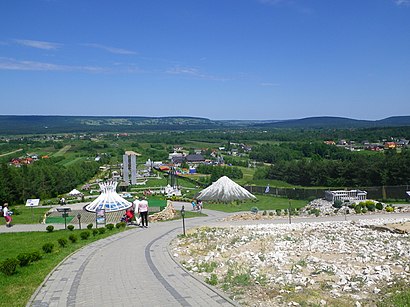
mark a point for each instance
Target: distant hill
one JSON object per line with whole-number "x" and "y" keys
{"x": 35, "y": 124}
{"x": 16, "y": 124}
{"x": 337, "y": 122}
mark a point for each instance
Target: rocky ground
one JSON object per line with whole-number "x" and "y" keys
{"x": 311, "y": 264}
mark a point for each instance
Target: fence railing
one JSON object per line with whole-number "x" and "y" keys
{"x": 381, "y": 192}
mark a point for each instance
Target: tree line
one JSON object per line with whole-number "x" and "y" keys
{"x": 43, "y": 179}
{"x": 390, "y": 168}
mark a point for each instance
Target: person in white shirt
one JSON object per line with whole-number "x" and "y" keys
{"x": 7, "y": 214}
{"x": 143, "y": 211}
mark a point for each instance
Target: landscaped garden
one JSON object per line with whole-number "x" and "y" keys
{"x": 27, "y": 257}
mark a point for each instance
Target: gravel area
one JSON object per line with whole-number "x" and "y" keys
{"x": 311, "y": 264}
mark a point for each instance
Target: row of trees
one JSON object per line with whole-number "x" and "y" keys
{"x": 217, "y": 172}
{"x": 43, "y": 179}
{"x": 360, "y": 170}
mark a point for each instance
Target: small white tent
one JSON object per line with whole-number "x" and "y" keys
{"x": 75, "y": 192}
{"x": 224, "y": 190}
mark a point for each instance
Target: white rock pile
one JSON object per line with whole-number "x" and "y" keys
{"x": 321, "y": 263}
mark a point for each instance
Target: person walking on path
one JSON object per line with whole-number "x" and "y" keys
{"x": 7, "y": 214}
{"x": 143, "y": 211}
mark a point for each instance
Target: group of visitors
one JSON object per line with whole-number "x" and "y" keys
{"x": 7, "y": 214}
{"x": 196, "y": 204}
{"x": 139, "y": 211}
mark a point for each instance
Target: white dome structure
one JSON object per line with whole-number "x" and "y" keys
{"x": 224, "y": 190}
{"x": 108, "y": 199}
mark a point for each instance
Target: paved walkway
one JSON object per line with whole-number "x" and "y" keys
{"x": 133, "y": 268}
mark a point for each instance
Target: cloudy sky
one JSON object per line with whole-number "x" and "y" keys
{"x": 220, "y": 59}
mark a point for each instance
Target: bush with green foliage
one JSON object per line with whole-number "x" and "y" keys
{"x": 278, "y": 212}
{"x": 24, "y": 259}
{"x": 101, "y": 230}
{"x": 72, "y": 238}
{"x": 270, "y": 213}
{"x": 50, "y": 228}
{"x": 254, "y": 210}
{"x": 389, "y": 209}
{"x": 85, "y": 235}
{"x": 48, "y": 248}
{"x": 264, "y": 212}
{"x": 62, "y": 242}
{"x": 95, "y": 232}
{"x": 8, "y": 267}
{"x": 90, "y": 226}
{"x": 120, "y": 225}
{"x": 35, "y": 256}
{"x": 379, "y": 206}
{"x": 70, "y": 227}
{"x": 338, "y": 204}
{"x": 110, "y": 226}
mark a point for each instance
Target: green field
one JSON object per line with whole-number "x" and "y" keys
{"x": 264, "y": 202}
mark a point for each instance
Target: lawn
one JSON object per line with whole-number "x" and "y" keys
{"x": 17, "y": 289}
{"x": 264, "y": 202}
{"x": 28, "y": 215}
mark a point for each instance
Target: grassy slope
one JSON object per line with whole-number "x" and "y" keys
{"x": 17, "y": 289}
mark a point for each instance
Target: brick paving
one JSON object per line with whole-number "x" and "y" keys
{"x": 132, "y": 268}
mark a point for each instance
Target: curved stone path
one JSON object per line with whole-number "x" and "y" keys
{"x": 133, "y": 268}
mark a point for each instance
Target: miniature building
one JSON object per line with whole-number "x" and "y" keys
{"x": 352, "y": 195}
{"x": 129, "y": 165}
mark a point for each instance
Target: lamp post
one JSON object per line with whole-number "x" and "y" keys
{"x": 79, "y": 220}
{"x": 290, "y": 208}
{"x": 183, "y": 218}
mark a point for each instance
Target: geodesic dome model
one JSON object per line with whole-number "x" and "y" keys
{"x": 108, "y": 199}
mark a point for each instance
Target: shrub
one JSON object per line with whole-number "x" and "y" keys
{"x": 50, "y": 228}
{"x": 120, "y": 225}
{"x": 389, "y": 209}
{"x": 95, "y": 232}
{"x": 35, "y": 256}
{"x": 8, "y": 266}
{"x": 212, "y": 280}
{"x": 85, "y": 235}
{"x": 270, "y": 213}
{"x": 264, "y": 212}
{"x": 72, "y": 238}
{"x": 70, "y": 227}
{"x": 90, "y": 226}
{"x": 110, "y": 226}
{"x": 364, "y": 210}
{"x": 62, "y": 242}
{"x": 48, "y": 248}
{"x": 24, "y": 259}
{"x": 278, "y": 212}
{"x": 254, "y": 210}
{"x": 379, "y": 206}
{"x": 101, "y": 230}
{"x": 358, "y": 209}
{"x": 338, "y": 203}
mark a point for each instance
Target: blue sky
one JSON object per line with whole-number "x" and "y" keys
{"x": 220, "y": 59}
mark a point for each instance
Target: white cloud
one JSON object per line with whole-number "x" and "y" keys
{"x": 402, "y": 2}
{"x": 38, "y": 44}
{"x": 13, "y": 64}
{"x": 193, "y": 72}
{"x": 111, "y": 49}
